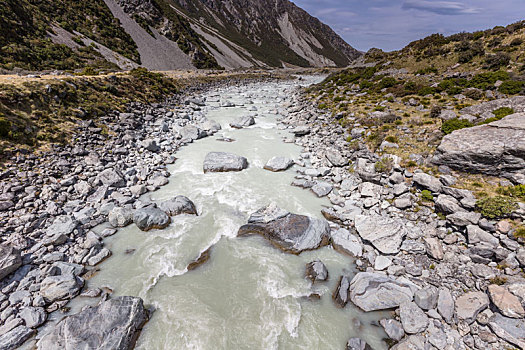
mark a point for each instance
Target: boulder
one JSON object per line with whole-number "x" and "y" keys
{"x": 151, "y": 218}
{"x": 191, "y": 132}
{"x": 427, "y": 298}
{"x": 386, "y": 234}
{"x": 301, "y": 131}
{"x": 316, "y": 271}
{"x": 413, "y": 319}
{"x": 428, "y": 182}
{"x": 291, "y": 233}
{"x": 120, "y": 217}
{"x": 497, "y": 148}
{"x": 509, "y": 329}
{"x": 16, "y": 337}
{"x": 434, "y": 247}
{"x": 112, "y": 324}
{"x": 374, "y": 291}
{"x": 10, "y": 260}
{"x": 344, "y": 241}
{"x": 278, "y": 164}
{"x": 469, "y": 305}
{"x": 357, "y": 344}
{"x": 223, "y": 162}
{"x": 321, "y": 188}
{"x": 341, "y": 294}
{"x": 393, "y": 329}
{"x": 61, "y": 287}
{"x": 178, "y": 205}
{"x": 33, "y": 316}
{"x": 112, "y": 178}
{"x": 507, "y": 303}
{"x": 62, "y": 225}
{"x": 336, "y": 158}
{"x": 242, "y": 122}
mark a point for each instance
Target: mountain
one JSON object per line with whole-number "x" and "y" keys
{"x": 165, "y": 35}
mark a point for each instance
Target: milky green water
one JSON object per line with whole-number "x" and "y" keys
{"x": 248, "y": 295}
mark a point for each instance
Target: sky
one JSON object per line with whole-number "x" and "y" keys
{"x": 392, "y": 24}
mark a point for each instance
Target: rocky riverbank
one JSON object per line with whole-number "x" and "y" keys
{"x": 452, "y": 278}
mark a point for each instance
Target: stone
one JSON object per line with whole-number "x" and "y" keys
{"x": 111, "y": 178}
{"x": 357, "y": 344}
{"x": 428, "y": 182}
{"x": 224, "y": 162}
{"x": 150, "y": 145}
{"x": 373, "y": 291}
{"x": 10, "y": 260}
{"x": 427, "y": 298}
{"x": 278, "y": 164}
{"x": 477, "y": 235}
{"x": 112, "y": 324}
{"x": 61, "y": 287}
{"x": 470, "y": 304}
{"x": 403, "y": 203}
{"x": 341, "y": 294}
{"x": 382, "y": 262}
{"x": 496, "y": 149}
{"x": 447, "y": 204}
{"x": 120, "y": 217}
{"x": 289, "y": 232}
{"x": 336, "y": 158}
{"x": 434, "y": 247}
{"x": 509, "y": 329}
{"x": 301, "y": 131}
{"x": 507, "y": 303}
{"x": 413, "y": 342}
{"x": 386, "y": 234}
{"x": 463, "y": 218}
{"x": 191, "y": 132}
{"x": 369, "y": 189}
{"x": 62, "y": 225}
{"x": 16, "y": 337}
{"x": 242, "y": 122}
{"x": 151, "y": 218}
{"x": 178, "y": 205}
{"x": 321, "y": 188}
{"x": 316, "y": 271}
{"x": 413, "y": 319}
{"x": 346, "y": 242}
{"x": 393, "y": 329}
{"x": 33, "y": 316}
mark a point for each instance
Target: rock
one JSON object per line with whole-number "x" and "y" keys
{"x": 278, "y": 164}
{"x": 427, "y": 298}
{"x": 464, "y": 218}
{"x": 316, "y": 271}
{"x": 223, "y": 162}
{"x": 346, "y": 242}
{"x": 62, "y": 225}
{"x": 413, "y": 342}
{"x": 373, "y": 291}
{"x": 413, "y": 319}
{"x": 509, "y": 329}
{"x": 403, "y": 203}
{"x": 10, "y": 260}
{"x": 434, "y": 247}
{"x": 497, "y": 148}
{"x": 393, "y": 329}
{"x": 428, "y": 182}
{"x": 242, "y": 122}
{"x": 290, "y": 232}
{"x": 382, "y": 262}
{"x": 111, "y": 178}
{"x": 447, "y": 204}
{"x": 507, "y": 303}
{"x": 336, "y": 158}
{"x": 112, "y": 324}
{"x": 357, "y": 344}
{"x": 386, "y": 234}
{"x": 33, "y": 316}
{"x": 151, "y": 218}
{"x": 469, "y": 305}
{"x": 150, "y": 145}
{"x": 301, "y": 131}
{"x": 191, "y": 132}
{"x": 447, "y": 114}
{"x": 16, "y": 337}
{"x": 341, "y": 295}
{"x": 477, "y": 235}
{"x": 178, "y": 205}
{"x": 321, "y": 189}
{"x": 61, "y": 287}
{"x": 120, "y": 217}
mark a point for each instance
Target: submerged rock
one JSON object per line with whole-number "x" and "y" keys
{"x": 151, "y": 218}
{"x": 112, "y": 324}
{"x": 357, "y": 344}
{"x": 203, "y": 257}
{"x": 224, "y": 162}
{"x": 178, "y": 205}
{"x": 291, "y": 233}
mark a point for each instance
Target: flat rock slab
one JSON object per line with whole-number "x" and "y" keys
{"x": 493, "y": 149}
{"x": 373, "y": 291}
{"x": 386, "y": 234}
{"x": 469, "y": 305}
{"x": 509, "y": 329}
{"x": 278, "y": 164}
{"x": 112, "y": 324}
{"x": 289, "y": 232}
{"x": 10, "y": 260}
{"x": 216, "y": 162}
{"x": 16, "y": 337}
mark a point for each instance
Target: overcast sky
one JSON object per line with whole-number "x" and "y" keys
{"x": 391, "y": 24}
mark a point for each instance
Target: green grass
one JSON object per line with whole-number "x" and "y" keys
{"x": 452, "y": 125}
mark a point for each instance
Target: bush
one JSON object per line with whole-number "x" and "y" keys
{"x": 435, "y": 111}
{"x": 511, "y": 87}
{"x": 455, "y": 124}
{"x": 427, "y": 196}
{"x": 502, "y": 112}
{"x": 387, "y": 82}
{"x": 500, "y": 59}
{"x": 516, "y": 42}
{"x": 391, "y": 139}
{"x": 5, "y": 127}
{"x": 517, "y": 191}
{"x": 496, "y": 207}
{"x": 384, "y": 165}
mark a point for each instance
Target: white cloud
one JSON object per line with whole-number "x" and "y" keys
{"x": 440, "y": 7}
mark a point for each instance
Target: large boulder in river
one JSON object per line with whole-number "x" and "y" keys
{"x": 242, "y": 122}
{"x": 291, "y": 233}
{"x": 385, "y": 233}
{"x": 497, "y": 148}
{"x": 178, "y": 205}
{"x": 151, "y": 218}
{"x": 10, "y": 260}
{"x": 223, "y": 162}
{"x": 278, "y": 164}
{"x": 112, "y": 324}
{"x": 374, "y": 291}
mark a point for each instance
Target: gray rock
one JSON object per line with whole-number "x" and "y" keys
{"x": 151, "y": 218}
{"x": 386, "y": 234}
{"x": 434, "y": 247}
{"x": 413, "y": 319}
{"x": 301, "y": 131}
{"x": 464, "y": 218}
{"x": 191, "y": 132}
{"x": 403, "y": 203}
{"x": 447, "y": 204}
{"x": 120, "y": 217}
{"x": 341, "y": 293}
{"x": 150, "y": 145}
{"x": 509, "y": 329}
{"x": 112, "y": 178}
{"x": 413, "y": 342}
{"x": 336, "y": 158}
{"x": 469, "y": 305}
{"x": 242, "y": 122}
{"x": 477, "y": 235}
{"x": 10, "y": 260}
{"x": 16, "y": 337}
{"x": 112, "y": 324}
{"x": 357, "y": 344}
{"x": 223, "y": 162}
{"x": 278, "y": 164}
{"x": 427, "y": 298}
{"x": 290, "y": 232}
{"x": 178, "y": 205}
{"x": 373, "y": 291}
{"x": 316, "y": 271}
{"x": 61, "y": 287}
{"x": 507, "y": 303}
{"x": 33, "y": 316}
{"x": 428, "y": 182}
{"x": 321, "y": 188}
{"x": 344, "y": 241}
{"x": 493, "y": 149}
{"x": 393, "y": 329}
{"x": 62, "y": 225}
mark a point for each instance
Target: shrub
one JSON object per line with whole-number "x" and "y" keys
{"x": 391, "y": 139}
{"x": 498, "y": 60}
{"x": 473, "y": 93}
{"x": 384, "y": 165}
{"x": 5, "y": 127}
{"x": 520, "y": 232}
{"x": 517, "y": 191}
{"x": 502, "y": 112}
{"x": 435, "y": 111}
{"x": 511, "y": 87}
{"x": 496, "y": 207}
{"x": 427, "y": 196}
{"x": 516, "y": 42}
{"x": 387, "y": 82}
{"x": 455, "y": 124}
